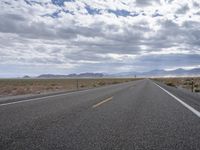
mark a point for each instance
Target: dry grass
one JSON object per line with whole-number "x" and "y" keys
{"x": 183, "y": 82}
{"x": 11, "y": 87}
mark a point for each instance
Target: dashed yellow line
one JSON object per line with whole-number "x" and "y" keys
{"x": 102, "y": 102}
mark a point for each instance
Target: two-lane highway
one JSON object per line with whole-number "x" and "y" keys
{"x": 135, "y": 115}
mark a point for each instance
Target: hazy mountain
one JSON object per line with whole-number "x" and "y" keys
{"x": 90, "y": 75}
{"x": 85, "y": 75}
{"x": 94, "y": 75}
{"x": 51, "y": 76}
{"x": 156, "y": 73}
{"x": 26, "y": 77}
{"x": 153, "y": 73}
{"x": 122, "y": 74}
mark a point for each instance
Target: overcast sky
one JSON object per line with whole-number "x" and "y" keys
{"x": 109, "y": 36}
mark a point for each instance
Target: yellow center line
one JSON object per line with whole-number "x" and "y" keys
{"x": 100, "y": 103}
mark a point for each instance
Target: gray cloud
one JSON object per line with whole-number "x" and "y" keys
{"x": 81, "y": 42}
{"x": 183, "y": 9}
{"x": 146, "y": 2}
{"x": 168, "y": 61}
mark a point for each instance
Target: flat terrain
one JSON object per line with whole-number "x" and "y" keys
{"x": 12, "y": 87}
{"x": 139, "y": 115}
{"x": 188, "y": 83}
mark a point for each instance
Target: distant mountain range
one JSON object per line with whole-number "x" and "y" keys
{"x": 82, "y": 75}
{"x": 153, "y": 73}
{"x": 176, "y": 72}
{"x": 161, "y": 73}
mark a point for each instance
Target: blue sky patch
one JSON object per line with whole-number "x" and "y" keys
{"x": 60, "y": 2}
{"x": 118, "y": 12}
{"x": 92, "y": 11}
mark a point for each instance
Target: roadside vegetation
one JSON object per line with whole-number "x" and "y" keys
{"x": 190, "y": 83}
{"x": 12, "y": 87}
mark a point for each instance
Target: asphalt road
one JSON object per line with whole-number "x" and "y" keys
{"x": 134, "y": 115}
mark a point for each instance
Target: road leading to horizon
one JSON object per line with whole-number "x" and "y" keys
{"x": 134, "y": 115}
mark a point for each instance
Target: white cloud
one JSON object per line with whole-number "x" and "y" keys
{"x": 89, "y": 33}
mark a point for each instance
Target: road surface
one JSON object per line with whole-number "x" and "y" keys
{"x": 135, "y": 115}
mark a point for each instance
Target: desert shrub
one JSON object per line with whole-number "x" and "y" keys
{"x": 190, "y": 83}
{"x": 82, "y": 85}
{"x": 197, "y": 90}
{"x": 187, "y": 79}
{"x": 48, "y": 88}
{"x": 101, "y": 83}
{"x": 115, "y": 82}
{"x": 21, "y": 91}
{"x": 53, "y": 84}
{"x": 170, "y": 84}
{"x": 7, "y": 90}
{"x": 94, "y": 85}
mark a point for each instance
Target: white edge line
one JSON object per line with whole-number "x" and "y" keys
{"x": 196, "y": 112}
{"x": 39, "y": 98}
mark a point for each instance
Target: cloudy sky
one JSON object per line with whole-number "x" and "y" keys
{"x": 109, "y": 36}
